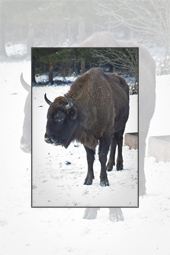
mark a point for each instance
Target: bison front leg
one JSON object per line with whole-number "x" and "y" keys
{"x": 90, "y": 161}
{"x": 103, "y": 151}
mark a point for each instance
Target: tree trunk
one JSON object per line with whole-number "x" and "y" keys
{"x": 82, "y": 66}
{"x": 51, "y": 73}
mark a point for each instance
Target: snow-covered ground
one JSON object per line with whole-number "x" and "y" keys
{"x": 44, "y": 78}
{"x": 26, "y": 230}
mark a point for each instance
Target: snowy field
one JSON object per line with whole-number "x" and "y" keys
{"x": 26, "y": 230}
{"x": 58, "y": 174}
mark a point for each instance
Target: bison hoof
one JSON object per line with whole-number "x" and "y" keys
{"x": 109, "y": 169}
{"x": 119, "y": 167}
{"x": 88, "y": 181}
{"x": 104, "y": 183}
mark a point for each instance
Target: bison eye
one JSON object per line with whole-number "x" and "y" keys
{"x": 59, "y": 117}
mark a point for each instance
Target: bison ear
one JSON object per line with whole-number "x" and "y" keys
{"x": 72, "y": 112}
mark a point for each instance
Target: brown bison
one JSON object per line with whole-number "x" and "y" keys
{"x": 95, "y": 109}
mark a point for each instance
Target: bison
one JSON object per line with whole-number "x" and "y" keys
{"x": 95, "y": 109}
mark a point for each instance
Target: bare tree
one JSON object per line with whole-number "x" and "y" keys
{"x": 124, "y": 58}
{"x": 149, "y": 19}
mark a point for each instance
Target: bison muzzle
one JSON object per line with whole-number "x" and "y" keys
{"x": 95, "y": 110}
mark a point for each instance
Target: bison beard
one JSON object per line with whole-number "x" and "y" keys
{"x": 95, "y": 110}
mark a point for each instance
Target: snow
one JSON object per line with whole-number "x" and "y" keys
{"x": 17, "y": 49}
{"x": 43, "y": 78}
{"x": 26, "y": 230}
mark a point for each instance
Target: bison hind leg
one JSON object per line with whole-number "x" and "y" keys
{"x": 110, "y": 165}
{"x": 109, "y": 168}
{"x": 111, "y": 161}
{"x": 119, "y": 141}
{"x": 119, "y": 165}
{"x": 103, "y": 150}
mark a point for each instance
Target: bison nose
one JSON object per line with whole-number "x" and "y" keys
{"x": 47, "y": 139}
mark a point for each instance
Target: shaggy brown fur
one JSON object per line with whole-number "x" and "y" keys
{"x": 99, "y": 99}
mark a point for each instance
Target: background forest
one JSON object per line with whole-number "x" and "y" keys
{"x": 76, "y": 61}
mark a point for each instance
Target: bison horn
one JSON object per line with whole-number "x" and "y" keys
{"x": 24, "y": 84}
{"x": 47, "y": 100}
{"x": 70, "y": 104}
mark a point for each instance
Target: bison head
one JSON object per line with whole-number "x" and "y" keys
{"x": 62, "y": 121}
